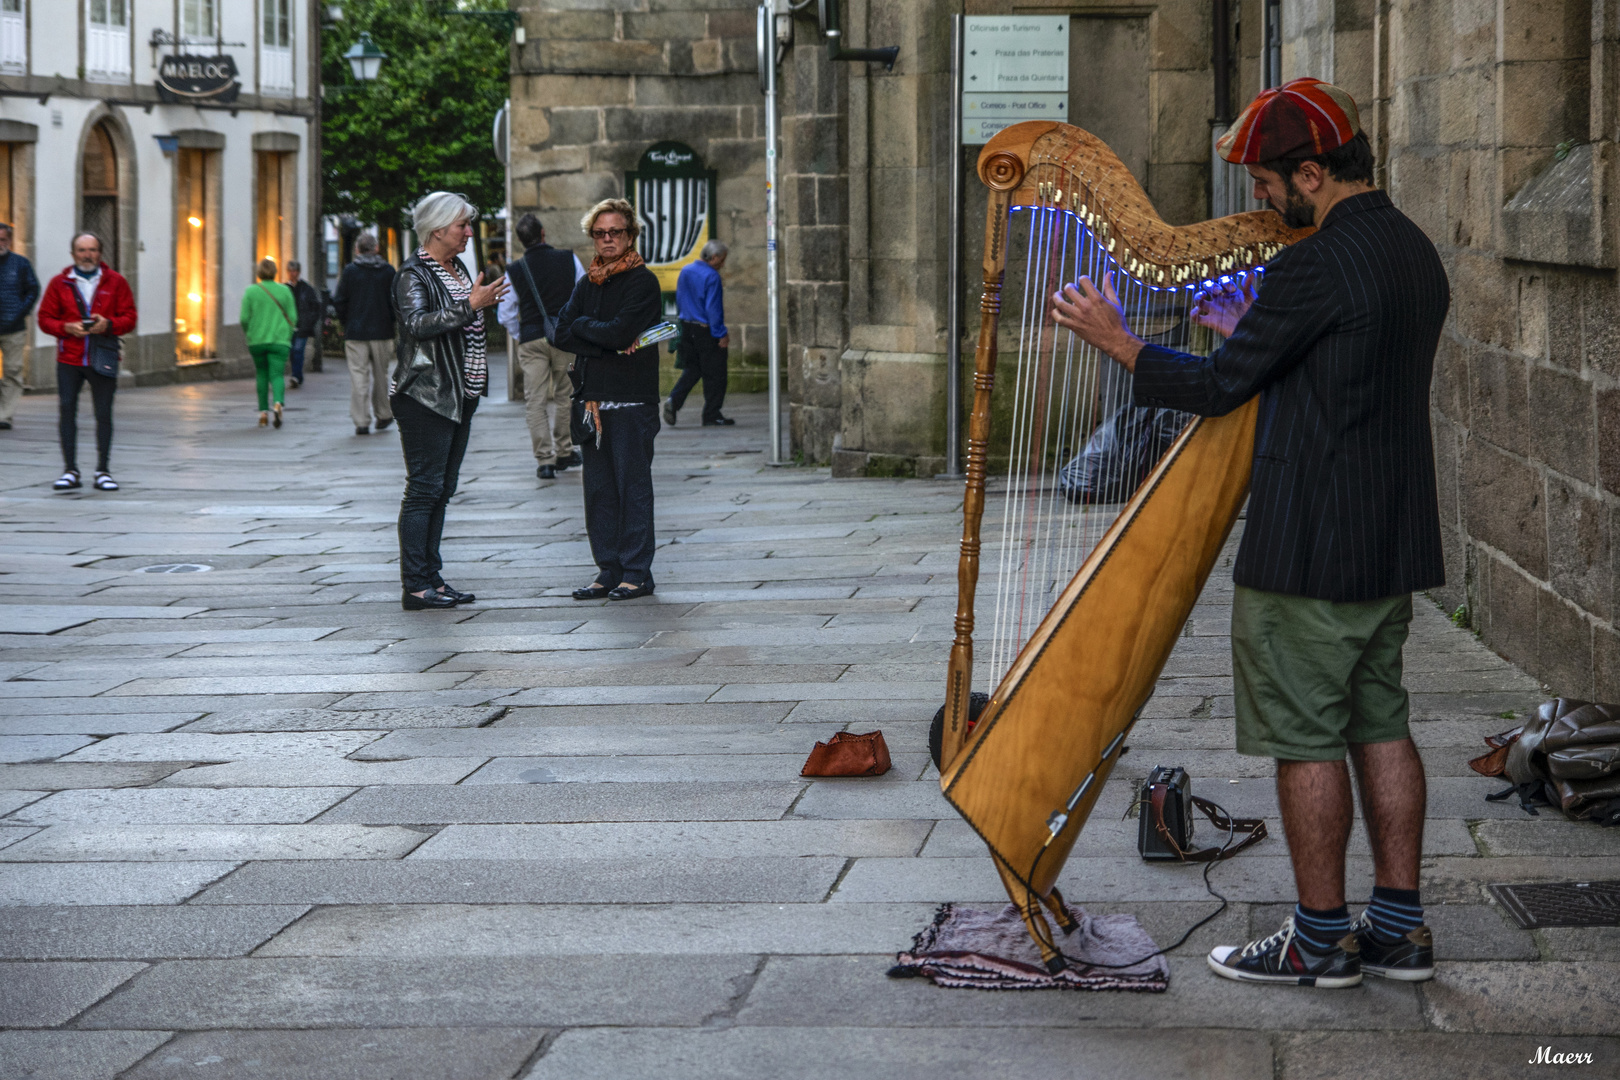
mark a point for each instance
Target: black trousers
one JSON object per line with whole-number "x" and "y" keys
{"x": 703, "y": 359}
{"x": 69, "y": 378}
{"x": 619, "y": 495}
{"x": 434, "y": 446}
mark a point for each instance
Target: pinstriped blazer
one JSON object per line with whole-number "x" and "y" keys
{"x": 1340, "y": 346}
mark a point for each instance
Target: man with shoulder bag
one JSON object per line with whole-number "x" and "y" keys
{"x": 87, "y": 308}
{"x": 541, "y": 281}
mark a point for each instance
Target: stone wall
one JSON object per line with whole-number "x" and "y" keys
{"x": 597, "y": 84}
{"x": 1500, "y": 145}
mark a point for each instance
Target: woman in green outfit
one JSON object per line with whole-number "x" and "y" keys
{"x": 269, "y": 314}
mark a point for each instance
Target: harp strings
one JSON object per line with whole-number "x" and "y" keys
{"x": 1076, "y": 446}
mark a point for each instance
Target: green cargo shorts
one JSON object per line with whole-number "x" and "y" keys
{"x": 1311, "y": 676}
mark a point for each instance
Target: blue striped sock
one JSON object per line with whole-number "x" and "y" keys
{"x": 1394, "y": 913}
{"x": 1321, "y": 930}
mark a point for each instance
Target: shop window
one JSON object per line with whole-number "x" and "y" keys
{"x": 275, "y": 48}
{"x": 98, "y": 211}
{"x": 275, "y": 206}
{"x": 106, "y": 53}
{"x": 196, "y": 271}
{"x": 13, "y": 37}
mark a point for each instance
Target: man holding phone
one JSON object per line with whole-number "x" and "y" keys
{"x": 87, "y": 300}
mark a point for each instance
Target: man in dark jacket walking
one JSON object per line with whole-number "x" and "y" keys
{"x": 1343, "y": 523}
{"x": 542, "y": 280}
{"x": 309, "y": 318}
{"x": 19, "y": 290}
{"x": 364, "y": 304}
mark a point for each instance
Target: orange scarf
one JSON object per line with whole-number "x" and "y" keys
{"x": 601, "y": 271}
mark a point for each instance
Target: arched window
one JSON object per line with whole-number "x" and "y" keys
{"x": 99, "y": 192}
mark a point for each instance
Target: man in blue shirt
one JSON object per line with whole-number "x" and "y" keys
{"x": 19, "y": 289}
{"x": 700, "y": 305}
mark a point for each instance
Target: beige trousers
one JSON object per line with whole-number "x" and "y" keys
{"x": 369, "y": 362}
{"x": 547, "y": 398}
{"x": 12, "y": 348}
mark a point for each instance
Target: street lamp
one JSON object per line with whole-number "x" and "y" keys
{"x": 364, "y": 58}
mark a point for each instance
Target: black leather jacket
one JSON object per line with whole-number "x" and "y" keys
{"x": 430, "y": 349}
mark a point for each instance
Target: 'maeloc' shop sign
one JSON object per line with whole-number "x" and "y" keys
{"x": 184, "y": 79}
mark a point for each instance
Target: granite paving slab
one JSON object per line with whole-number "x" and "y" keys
{"x": 190, "y": 843}
{"x": 139, "y": 933}
{"x": 93, "y": 883}
{"x": 46, "y": 995}
{"x": 944, "y": 1052}
{"x": 1430, "y": 1055}
{"x": 500, "y": 803}
{"x": 92, "y": 723}
{"x": 1542, "y": 1000}
{"x": 61, "y": 775}
{"x": 757, "y": 879}
{"x": 22, "y": 748}
{"x": 666, "y": 929}
{"x": 583, "y": 741}
{"x": 191, "y": 746}
{"x": 699, "y": 839}
{"x": 485, "y": 992}
{"x": 151, "y": 806}
{"x": 668, "y": 769}
{"x": 442, "y": 716}
{"x": 272, "y": 772}
{"x": 74, "y": 1055}
{"x": 446, "y": 1053}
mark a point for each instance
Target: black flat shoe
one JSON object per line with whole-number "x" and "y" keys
{"x": 719, "y": 421}
{"x": 431, "y": 601}
{"x": 575, "y": 459}
{"x": 546, "y": 472}
{"x": 457, "y": 595}
{"x": 591, "y": 592}
{"x": 622, "y": 593}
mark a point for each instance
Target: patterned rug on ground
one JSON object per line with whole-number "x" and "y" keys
{"x": 991, "y": 950}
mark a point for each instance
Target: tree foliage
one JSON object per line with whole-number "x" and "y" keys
{"x": 424, "y": 123}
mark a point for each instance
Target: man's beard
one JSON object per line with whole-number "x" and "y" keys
{"x": 1297, "y": 211}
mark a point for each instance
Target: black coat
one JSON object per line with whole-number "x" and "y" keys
{"x": 364, "y": 300}
{"x": 1340, "y": 346}
{"x": 600, "y": 320}
{"x": 431, "y": 351}
{"x": 309, "y": 309}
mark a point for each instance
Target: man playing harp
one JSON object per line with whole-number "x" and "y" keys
{"x": 1343, "y": 522}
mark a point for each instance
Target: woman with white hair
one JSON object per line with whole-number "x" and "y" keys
{"x": 616, "y": 301}
{"x": 440, "y": 372}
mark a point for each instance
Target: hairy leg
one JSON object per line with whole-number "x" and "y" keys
{"x": 1394, "y": 795}
{"x": 1316, "y": 813}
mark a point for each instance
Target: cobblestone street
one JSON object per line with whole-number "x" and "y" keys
{"x": 258, "y": 823}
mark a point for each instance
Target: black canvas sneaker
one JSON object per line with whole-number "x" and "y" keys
{"x": 1411, "y": 959}
{"x": 1283, "y": 958}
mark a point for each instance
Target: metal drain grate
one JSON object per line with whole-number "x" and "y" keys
{"x": 1561, "y": 903}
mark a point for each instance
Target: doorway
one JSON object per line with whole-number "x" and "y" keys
{"x": 196, "y": 265}
{"x": 98, "y": 211}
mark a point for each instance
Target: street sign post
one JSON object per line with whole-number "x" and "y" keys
{"x": 1014, "y": 68}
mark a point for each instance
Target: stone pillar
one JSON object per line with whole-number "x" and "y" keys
{"x": 815, "y": 239}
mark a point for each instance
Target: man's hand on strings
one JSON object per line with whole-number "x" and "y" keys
{"x": 1097, "y": 318}
{"x": 1221, "y": 307}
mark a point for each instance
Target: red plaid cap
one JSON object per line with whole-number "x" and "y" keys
{"x": 1301, "y": 118}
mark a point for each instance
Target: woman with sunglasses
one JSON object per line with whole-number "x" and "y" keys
{"x": 613, "y": 304}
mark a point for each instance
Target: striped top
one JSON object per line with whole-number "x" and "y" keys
{"x": 1340, "y": 346}
{"x": 475, "y": 364}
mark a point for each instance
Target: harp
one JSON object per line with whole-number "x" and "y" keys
{"x": 1106, "y": 519}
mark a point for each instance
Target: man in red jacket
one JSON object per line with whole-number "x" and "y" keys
{"x": 87, "y": 299}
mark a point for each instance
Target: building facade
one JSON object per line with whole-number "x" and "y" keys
{"x": 182, "y": 132}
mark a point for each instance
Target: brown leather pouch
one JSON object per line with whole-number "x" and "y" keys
{"x": 849, "y": 755}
